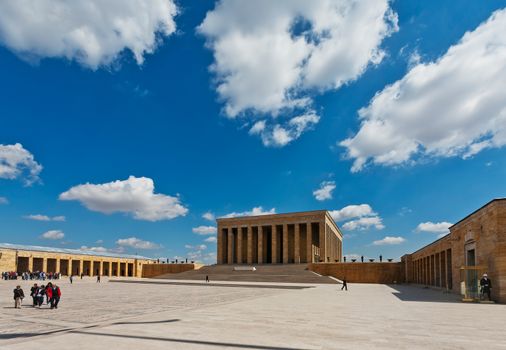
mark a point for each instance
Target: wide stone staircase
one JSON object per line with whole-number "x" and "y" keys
{"x": 290, "y": 273}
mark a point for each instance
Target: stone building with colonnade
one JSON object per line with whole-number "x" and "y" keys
{"x": 303, "y": 237}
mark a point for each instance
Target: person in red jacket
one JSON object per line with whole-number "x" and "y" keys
{"x": 56, "y": 293}
{"x": 49, "y": 292}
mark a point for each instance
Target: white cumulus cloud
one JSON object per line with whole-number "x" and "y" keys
{"x": 204, "y": 230}
{"x": 211, "y": 239}
{"x": 325, "y": 190}
{"x": 253, "y": 212}
{"x": 134, "y": 196}
{"x": 364, "y": 223}
{"x": 137, "y": 243}
{"x": 209, "y": 216}
{"x": 434, "y": 227}
{"x": 270, "y": 57}
{"x": 53, "y": 234}
{"x": 454, "y": 106}
{"x": 95, "y": 249}
{"x": 39, "y": 217}
{"x": 17, "y": 162}
{"x": 388, "y": 240}
{"x": 92, "y": 32}
{"x": 358, "y": 217}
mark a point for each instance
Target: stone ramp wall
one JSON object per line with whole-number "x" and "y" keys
{"x": 367, "y": 272}
{"x": 153, "y": 270}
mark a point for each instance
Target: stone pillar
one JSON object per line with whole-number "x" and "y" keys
{"x": 118, "y": 270}
{"x": 230, "y": 249}
{"x": 81, "y": 265}
{"x": 296, "y": 243}
{"x": 260, "y": 245}
{"x": 58, "y": 265}
{"x": 239, "y": 245}
{"x": 285, "y": 243}
{"x": 309, "y": 243}
{"x": 109, "y": 272}
{"x": 249, "y": 258}
{"x": 323, "y": 238}
{"x": 101, "y": 268}
{"x": 274, "y": 244}
{"x": 44, "y": 264}
{"x": 219, "y": 258}
{"x": 30, "y": 263}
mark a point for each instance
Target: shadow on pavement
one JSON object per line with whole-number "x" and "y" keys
{"x": 188, "y": 341}
{"x": 419, "y": 293}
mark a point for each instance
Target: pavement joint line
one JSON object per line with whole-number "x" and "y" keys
{"x": 236, "y": 285}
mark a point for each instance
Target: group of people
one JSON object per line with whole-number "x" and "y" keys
{"x": 37, "y": 275}
{"x": 50, "y": 292}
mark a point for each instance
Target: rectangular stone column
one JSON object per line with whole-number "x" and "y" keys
{"x": 230, "y": 259}
{"x": 260, "y": 245}
{"x": 30, "y": 263}
{"x": 296, "y": 243}
{"x": 58, "y": 265}
{"x": 220, "y": 237}
{"x": 101, "y": 268}
{"x": 285, "y": 243}
{"x": 323, "y": 239}
{"x": 118, "y": 271}
{"x": 81, "y": 265}
{"x": 274, "y": 244}
{"x": 309, "y": 243}
{"x": 44, "y": 264}
{"x": 239, "y": 245}
{"x": 249, "y": 258}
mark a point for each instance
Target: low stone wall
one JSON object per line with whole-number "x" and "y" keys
{"x": 367, "y": 272}
{"x": 154, "y": 270}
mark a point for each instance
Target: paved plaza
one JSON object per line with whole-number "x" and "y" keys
{"x": 163, "y": 315}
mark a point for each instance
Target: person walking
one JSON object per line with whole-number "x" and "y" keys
{"x": 71, "y": 278}
{"x": 486, "y": 286}
{"x": 41, "y": 291}
{"x": 33, "y": 294}
{"x": 345, "y": 285}
{"x": 362, "y": 258}
{"x": 19, "y": 295}
{"x": 207, "y": 279}
{"x": 56, "y": 293}
{"x": 98, "y": 278}
{"x": 49, "y": 293}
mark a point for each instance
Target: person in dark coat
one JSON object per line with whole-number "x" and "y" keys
{"x": 19, "y": 295}
{"x": 33, "y": 293}
{"x": 41, "y": 291}
{"x": 56, "y": 292}
{"x": 486, "y": 285}
{"x": 345, "y": 285}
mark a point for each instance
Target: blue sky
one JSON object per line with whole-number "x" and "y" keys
{"x": 229, "y": 106}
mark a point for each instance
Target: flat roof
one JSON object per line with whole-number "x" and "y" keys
{"x": 267, "y": 216}
{"x": 477, "y": 210}
{"x": 70, "y": 251}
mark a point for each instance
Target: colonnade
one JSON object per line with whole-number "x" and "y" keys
{"x": 434, "y": 269}
{"x": 278, "y": 243}
{"x": 77, "y": 265}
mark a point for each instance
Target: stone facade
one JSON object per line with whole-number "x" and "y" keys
{"x": 23, "y": 260}
{"x": 477, "y": 240}
{"x": 153, "y": 270}
{"x": 358, "y": 272}
{"x": 303, "y": 237}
